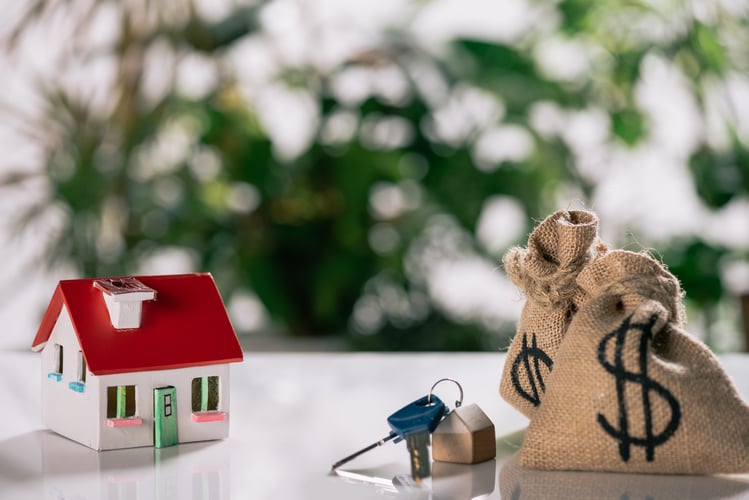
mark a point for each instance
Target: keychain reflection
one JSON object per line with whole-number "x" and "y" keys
{"x": 448, "y": 482}
{"x": 463, "y": 482}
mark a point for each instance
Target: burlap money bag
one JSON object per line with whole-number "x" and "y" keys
{"x": 631, "y": 391}
{"x": 545, "y": 272}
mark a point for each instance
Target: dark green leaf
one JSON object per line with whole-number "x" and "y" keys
{"x": 628, "y": 125}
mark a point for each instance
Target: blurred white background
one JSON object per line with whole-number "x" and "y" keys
{"x": 644, "y": 193}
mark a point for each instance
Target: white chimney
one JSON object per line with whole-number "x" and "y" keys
{"x": 124, "y": 298}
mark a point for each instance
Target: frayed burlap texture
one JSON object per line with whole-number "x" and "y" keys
{"x": 631, "y": 391}
{"x": 545, "y": 272}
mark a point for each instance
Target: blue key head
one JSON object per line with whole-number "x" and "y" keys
{"x": 424, "y": 413}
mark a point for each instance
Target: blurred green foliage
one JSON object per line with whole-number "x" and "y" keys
{"x": 298, "y": 231}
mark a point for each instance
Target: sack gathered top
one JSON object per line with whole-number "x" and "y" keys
{"x": 558, "y": 249}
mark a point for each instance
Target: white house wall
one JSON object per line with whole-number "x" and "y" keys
{"x": 73, "y": 414}
{"x": 82, "y": 416}
{"x": 145, "y": 382}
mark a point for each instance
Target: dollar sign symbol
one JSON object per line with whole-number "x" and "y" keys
{"x": 626, "y": 440}
{"x": 535, "y": 379}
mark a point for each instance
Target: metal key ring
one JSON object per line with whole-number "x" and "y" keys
{"x": 459, "y": 402}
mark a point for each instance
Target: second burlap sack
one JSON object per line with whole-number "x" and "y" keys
{"x": 558, "y": 249}
{"x": 631, "y": 390}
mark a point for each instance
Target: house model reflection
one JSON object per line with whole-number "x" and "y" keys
{"x": 142, "y": 361}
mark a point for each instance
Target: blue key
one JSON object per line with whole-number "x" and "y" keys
{"x": 424, "y": 413}
{"x": 413, "y": 423}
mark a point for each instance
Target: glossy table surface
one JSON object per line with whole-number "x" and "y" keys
{"x": 292, "y": 416}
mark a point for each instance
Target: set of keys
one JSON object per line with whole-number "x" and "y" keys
{"x": 414, "y": 424}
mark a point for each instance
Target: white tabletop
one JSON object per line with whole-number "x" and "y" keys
{"x": 292, "y": 416}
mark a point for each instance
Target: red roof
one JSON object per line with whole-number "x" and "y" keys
{"x": 186, "y": 325}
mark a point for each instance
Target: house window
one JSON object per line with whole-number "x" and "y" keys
{"x": 80, "y": 384}
{"x": 121, "y": 406}
{"x": 120, "y": 401}
{"x": 81, "y": 368}
{"x": 56, "y": 373}
{"x": 167, "y": 405}
{"x": 205, "y": 394}
{"x": 205, "y": 400}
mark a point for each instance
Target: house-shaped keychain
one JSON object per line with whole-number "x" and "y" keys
{"x": 138, "y": 361}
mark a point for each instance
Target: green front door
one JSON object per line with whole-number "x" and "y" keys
{"x": 164, "y": 416}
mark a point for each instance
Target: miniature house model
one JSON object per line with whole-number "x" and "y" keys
{"x": 140, "y": 361}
